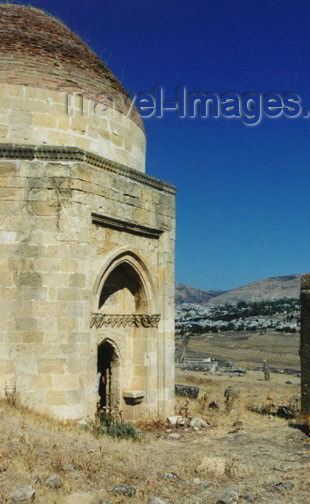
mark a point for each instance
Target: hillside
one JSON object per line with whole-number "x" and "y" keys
{"x": 267, "y": 289}
{"x": 187, "y": 294}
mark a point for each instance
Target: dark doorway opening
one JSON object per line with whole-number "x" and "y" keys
{"x": 106, "y": 363}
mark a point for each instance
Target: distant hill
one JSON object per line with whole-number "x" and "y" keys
{"x": 269, "y": 288}
{"x": 188, "y": 294}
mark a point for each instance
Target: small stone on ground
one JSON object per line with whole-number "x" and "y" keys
{"x": 170, "y": 475}
{"x": 283, "y": 486}
{"x": 197, "y": 423}
{"x": 174, "y": 420}
{"x": 229, "y": 496}
{"x": 124, "y": 490}
{"x": 23, "y": 494}
{"x": 174, "y": 435}
{"x": 54, "y": 481}
{"x": 156, "y": 500}
{"x": 206, "y": 484}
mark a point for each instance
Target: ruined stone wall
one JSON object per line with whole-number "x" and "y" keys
{"x": 305, "y": 343}
{"x": 53, "y": 253}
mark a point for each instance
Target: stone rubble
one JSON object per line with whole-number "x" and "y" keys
{"x": 198, "y": 423}
{"x": 174, "y": 420}
{"x": 229, "y": 496}
{"x": 54, "y": 481}
{"x": 124, "y": 490}
{"x": 195, "y": 423}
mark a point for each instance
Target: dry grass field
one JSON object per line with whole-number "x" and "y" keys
{"x": 264, "y": 457}
{"x": 249, "y": 348}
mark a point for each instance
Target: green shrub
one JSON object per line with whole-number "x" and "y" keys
{"x": 107, "y": 425}
{"x": 124, "y": 430}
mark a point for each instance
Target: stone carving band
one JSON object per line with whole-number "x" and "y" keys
{"x": 99, "y": 320}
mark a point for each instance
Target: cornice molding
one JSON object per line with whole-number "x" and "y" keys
{"x": 63, "y": 153}
{"x": 128, "y": 227}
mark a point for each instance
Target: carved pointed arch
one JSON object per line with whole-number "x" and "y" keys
{"x": 130, "y": 261}
{"x": 116, "y": 350}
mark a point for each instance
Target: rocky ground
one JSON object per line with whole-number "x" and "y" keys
{"x": 240, "y": 456}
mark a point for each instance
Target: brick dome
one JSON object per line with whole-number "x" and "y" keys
{"x": 43, "y": 68}
{"x": 38, "y": 50}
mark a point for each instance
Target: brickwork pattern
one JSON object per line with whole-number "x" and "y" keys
{"x": 40, "y": 51}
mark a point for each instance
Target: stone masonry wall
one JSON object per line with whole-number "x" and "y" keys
{"x": 49, "y": 262}
{"x": 305, "y": 343}
{"x": 37, "y": 116}
{"x": 73, "y": 196}
{"x": 45, "y": 296}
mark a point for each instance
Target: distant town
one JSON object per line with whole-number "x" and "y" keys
{"x": 281, "y": 315}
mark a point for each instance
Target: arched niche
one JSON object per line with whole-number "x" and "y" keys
{"x": 127, "y": 267}
{"x": 122, "y": 291}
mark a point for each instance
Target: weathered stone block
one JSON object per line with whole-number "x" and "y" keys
{"x": 51, "y": 366}
{"x": 30, "y": 279}
{"x": 56, "y": 398}
{"x": 32, "y": 337}
{"x": 7, "y": 168}
{"x": 66, "y": 382}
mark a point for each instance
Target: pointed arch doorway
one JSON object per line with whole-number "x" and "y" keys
{"x": 108, "y": 376}
{"x": 126, "y": 337}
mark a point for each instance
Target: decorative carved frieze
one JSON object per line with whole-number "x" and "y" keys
{"x": 99, "y": 320}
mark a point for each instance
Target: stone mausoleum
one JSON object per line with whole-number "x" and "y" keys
{"x": 86, "y": 237}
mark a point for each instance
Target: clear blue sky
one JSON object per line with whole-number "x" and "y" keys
{"x": 243, "y": 201}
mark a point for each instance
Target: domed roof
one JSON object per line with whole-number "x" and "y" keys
{"x": 38, "y": 50}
